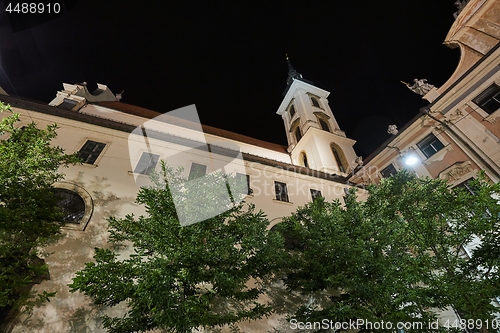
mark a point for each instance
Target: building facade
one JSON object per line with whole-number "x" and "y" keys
{"x": 457, "y": 134}
{"x": 452, "y": 138}
{"x": 121, "y": 144}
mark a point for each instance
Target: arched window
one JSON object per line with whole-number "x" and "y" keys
{"x": 303, "y": 158}
{"x": 315, "y": 102}
{"x": 298, "y": 134}
{"x": 71, "y": 205}
{"x": 292, "y": 111}
{"x": 75, "y": 204}
{"x": 324, "y": 125}
{"x": 337, "y": 153}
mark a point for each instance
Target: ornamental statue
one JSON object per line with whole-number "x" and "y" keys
{"x": 392, "y": 129}
{"x": 420, "y": 87}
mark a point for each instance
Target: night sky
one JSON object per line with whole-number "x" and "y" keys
{"x": 229, "y": 59}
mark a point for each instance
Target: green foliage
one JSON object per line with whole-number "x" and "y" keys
{"x": 398, "y": 254}
{"x": 28, "y": 168}
{"x": 178, "y": 278}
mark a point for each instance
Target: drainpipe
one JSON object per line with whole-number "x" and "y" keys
{"x": 488, "y": 167}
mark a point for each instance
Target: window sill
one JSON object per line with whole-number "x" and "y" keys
{"x": 283, "y": 202}
{"x": 439, "y": 155}
{"x": 137, "y": 174}
{"x": 86, "y": 165}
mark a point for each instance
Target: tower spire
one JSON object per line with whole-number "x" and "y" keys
{"x": 293, "y": 75}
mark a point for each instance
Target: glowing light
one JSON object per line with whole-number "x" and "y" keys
{"x": 410, "y": 160}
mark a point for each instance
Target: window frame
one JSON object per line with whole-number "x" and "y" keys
{"x": 323, "y": 122}
{"x": 315, "y": 102}
{"x": 392, "y": 172}
{"x": 97, "y": 157}
{"x": 192, "y": 175}
{"x": 281, "y": 195}
{"x": 431, "y": 138}
{"x": 464, "y": 185}
{"x": 87, "y": 198}
{"x": 315, "y": 194}
{"x": 338, "y": 157}
{"x": 303, "y": 159}
{"x": 249, "y": 189}
{"x": 492, "y": 93}
{"x": 292, "y": 111}
{"x": 69, "y": 195}
{"x": 147, "y": 171}
{"x": 297, "y": 133}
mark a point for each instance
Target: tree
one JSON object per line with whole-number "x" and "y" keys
{"x": 28, "y": 207}
{"x": 395, "y": 256}
{"x": 178, "y": 278}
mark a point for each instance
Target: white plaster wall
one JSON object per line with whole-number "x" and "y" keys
{"x": 113, "y": 189}
{"x": 183, "y": 132}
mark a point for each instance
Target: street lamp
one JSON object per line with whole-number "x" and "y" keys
{"x": 411, "y": 160}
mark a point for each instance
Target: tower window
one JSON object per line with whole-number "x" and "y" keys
{"x": 91, "y": 151}
{"x": 315, "y": 102}
{"x": 489, "y": 100}
{"x": 147, "y": 163}
{"x": 304, "y": 160}
{"x": 292, "y": 111}
{"x": 281, "y": 191}
{"x": 324, "y": 125}
{"x": 338, "y": 159}
{"x": 197, "y": 171}
{"x": 298, "y": 134}
{"x": 430, "y": 145}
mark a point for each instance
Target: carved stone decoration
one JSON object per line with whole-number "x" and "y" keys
{"x": 456, "y": 115}
{"x": 392, "y": 129}
{"x": 420, "y": 86}
{"x": 366, "y": 180}
{"x": 492, "y": 118}
{"x": 460, "y": 5}
{"x": 456, "y": 171}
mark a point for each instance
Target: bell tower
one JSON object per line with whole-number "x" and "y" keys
{"x": 315, "y": 139}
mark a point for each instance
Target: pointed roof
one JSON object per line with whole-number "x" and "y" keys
{"x": 293, "y": 75}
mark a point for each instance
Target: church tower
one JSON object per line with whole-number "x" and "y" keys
{"x": 314, "y": 137}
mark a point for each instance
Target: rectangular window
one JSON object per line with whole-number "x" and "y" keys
{"x": 281, "y": 192}
{"x": 430, "y": 145}
{"x": 67, "y": 104}
{"x": 489, "y": 100}
{"x": 467, "y": 186}
{"x": 315, "y": 194}
{"x": 244, "y": 180}
{"x": 197, "y": 171}
{"x": 147, "y": 163}
{"x": 388, "y": 171}
{"x": 91, "y": 151}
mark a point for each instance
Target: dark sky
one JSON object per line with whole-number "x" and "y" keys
{"x": 229, "y": 59}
